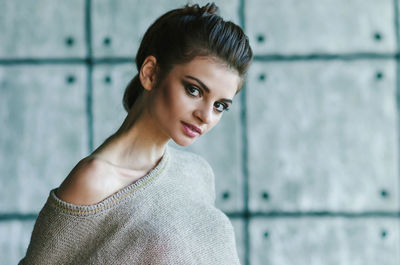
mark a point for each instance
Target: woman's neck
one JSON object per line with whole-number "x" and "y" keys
{"x": 138, "y": 144}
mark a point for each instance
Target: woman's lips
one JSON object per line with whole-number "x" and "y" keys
{"x": 191, "y": 130}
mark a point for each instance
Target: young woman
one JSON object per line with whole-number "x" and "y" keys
{"x": 135, "y": 200}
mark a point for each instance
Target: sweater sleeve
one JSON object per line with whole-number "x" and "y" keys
{"x": 57, "y": 237}
{"x": 197, "y": 174}
{"x": 209, "y": 177}
{"x": 211, "y": 180}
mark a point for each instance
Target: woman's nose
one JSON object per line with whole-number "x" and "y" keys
{"x": 204, "y": 114}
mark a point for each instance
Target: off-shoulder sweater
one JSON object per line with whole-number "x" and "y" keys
{"x": 166, "y": 217}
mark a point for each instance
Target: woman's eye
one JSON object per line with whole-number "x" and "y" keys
{"x": 220, "y": 107}
{"x": 193, "y": 91}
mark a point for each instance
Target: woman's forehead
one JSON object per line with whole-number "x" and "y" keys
{"x": 213, "y": 74}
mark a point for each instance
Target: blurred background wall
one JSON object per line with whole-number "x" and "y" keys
{"x": 306, "y": 161}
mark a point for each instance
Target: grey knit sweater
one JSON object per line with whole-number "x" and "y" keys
{"x": 166, "y": 217}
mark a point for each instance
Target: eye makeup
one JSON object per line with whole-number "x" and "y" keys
{"x": 191, "y": 89}
{"x": 225, "y": 106}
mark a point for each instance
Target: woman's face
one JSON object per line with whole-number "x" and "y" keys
{"x": 192, "y": 98}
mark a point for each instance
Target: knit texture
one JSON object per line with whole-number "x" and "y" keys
{"x": 165, "y": 217}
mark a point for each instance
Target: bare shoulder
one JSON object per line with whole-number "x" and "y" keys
{"x": 86, "y": 184}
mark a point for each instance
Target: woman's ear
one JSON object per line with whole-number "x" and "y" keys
{"x": 147, "y": 73}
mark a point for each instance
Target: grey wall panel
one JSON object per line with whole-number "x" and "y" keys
{"x": 330, "y": 26}
{"x": 44, "y": 132}
{"x": 42, "y": 29}
{"x": 323, "y": 136}
{"x": 328, "y": 241}
{"x": 119, "y": 25}
{"x": 109, "y": 83}
{"x": 222, "y": 148}
{"x": 238, "y": 226}
{"x": 14, "y": 240}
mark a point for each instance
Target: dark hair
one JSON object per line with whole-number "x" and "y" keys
{"x": 181, "y": 34}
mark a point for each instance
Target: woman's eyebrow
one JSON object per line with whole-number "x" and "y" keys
{"x": 226, "y": 100}
{"x": 198, "y": 81}
{"x": 205, "y": 87}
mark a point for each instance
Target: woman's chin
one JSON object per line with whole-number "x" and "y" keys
{"x": 184, "y": 142}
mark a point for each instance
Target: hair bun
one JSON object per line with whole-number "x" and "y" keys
{"x": 210, "y": 8}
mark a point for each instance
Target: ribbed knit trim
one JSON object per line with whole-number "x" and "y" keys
{"x": 84, "y": 210}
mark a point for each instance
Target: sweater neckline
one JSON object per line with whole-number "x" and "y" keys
{"x": 112, "y": 200}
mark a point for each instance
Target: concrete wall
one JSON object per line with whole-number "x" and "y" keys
{"x": 306, "y": 160}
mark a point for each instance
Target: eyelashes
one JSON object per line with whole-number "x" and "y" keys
{"x": 192, "y": 90}
{"x": 224, "y": 106}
